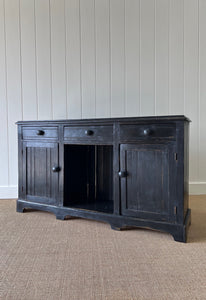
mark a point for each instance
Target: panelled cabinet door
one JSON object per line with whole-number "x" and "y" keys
{"x": 40, "y": 172}
{"x": 145, "y": 182}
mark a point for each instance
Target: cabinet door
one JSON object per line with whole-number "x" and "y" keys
{"x": 145, "y": 186}
{"x": 40, "y": 181}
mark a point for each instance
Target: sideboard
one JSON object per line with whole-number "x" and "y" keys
{"x": 123, "y": 171}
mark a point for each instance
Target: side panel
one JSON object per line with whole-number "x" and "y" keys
{"x": 186, "y": 167}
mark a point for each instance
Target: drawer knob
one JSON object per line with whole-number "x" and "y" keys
{"x": 147, "y": 131}
{"x": 89, "y": 132}
{"x": 122, "y": 174}
{"x": 40, "y": 132}
{"x": 56, "y": 169}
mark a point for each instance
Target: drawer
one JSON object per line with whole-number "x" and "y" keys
{"x": 89, "y": 133}
{"x": 147, "y": 131}
{"x": 40, "y": 133}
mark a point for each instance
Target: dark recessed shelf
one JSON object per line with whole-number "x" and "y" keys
{"x": 99, "y": 206}
{"x": 88, "y": 177}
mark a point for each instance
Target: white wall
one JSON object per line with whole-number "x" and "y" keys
{"x": 101, "y": 58}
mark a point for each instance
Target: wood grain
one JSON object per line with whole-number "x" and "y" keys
{"x": 151, "y": 162}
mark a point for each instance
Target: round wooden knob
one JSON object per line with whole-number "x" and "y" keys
{"x": 40, "y": 132}
{"x": 89, "y": 132}
{"x": 56, "y": 169}
{"x": 146, "y": 131}
{"x": 122, "y": 174}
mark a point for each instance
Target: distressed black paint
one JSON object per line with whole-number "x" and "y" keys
{"x": 124, "y": 171}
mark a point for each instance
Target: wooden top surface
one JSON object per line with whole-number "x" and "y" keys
{"x": 148, "y": 119}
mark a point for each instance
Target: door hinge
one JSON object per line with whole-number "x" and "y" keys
{"x": 175, "y": 156}
{"x": 22, "y": 189}
{"x": 175, "y": 210}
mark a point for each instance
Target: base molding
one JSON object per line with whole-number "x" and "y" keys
{"x": 9, "y": 192}
{"x": 197, "y": 188}
{"x": 117, "y": 222}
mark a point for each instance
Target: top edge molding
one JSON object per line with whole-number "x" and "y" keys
{"x": 117, "y": 119}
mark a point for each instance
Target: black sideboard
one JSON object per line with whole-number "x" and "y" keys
{"x": 123, "y": 171}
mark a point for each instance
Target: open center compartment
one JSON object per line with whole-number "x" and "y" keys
{"x": 88, "y": 177}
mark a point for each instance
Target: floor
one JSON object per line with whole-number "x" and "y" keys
{"x": 44, "y": 258}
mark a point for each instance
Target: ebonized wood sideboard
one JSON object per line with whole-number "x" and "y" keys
{"x": 123, "y": 171}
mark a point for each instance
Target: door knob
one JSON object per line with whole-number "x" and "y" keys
{"x": 122, "y": 174}
{"x": 56, "y": 169}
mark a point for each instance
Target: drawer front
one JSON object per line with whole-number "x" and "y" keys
{"x": 89, "y": 133}
{"x": 40, "y": 133}
{"x": 144, "y": 131}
